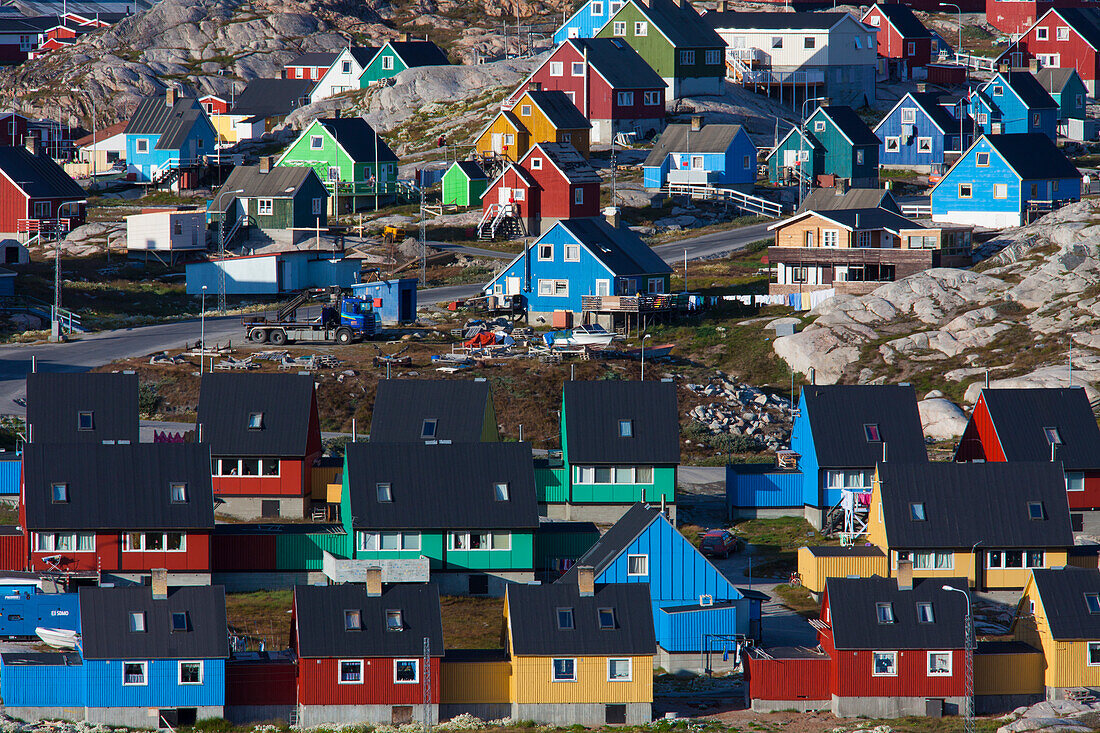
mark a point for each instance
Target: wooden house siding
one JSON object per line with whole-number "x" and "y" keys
{"x": 852, "y": 675}
{"x": 583, "y": 23}
{"x": 14, "y": 205}
{"x": 533, "y": 680}
{"x": 653, "y": 47}
{"x": 110, "y": 556}
{"x": 318, "y": 683}
{"x": 802, "y": 443}
{"x": 1066, "y": 661}
{"x": 53, "y": 686}
{"x": 1074, "y": 51}
{"x": 1008, "y": 674}
{"x": 1011, "y": 112}
{"x": 502, "y": 191}
{"x": 892, "y": 44}
{"x": 501, "y": 125}
{"x": 332, "y": 155}
{"x": 458, "y": 190}
{"x": 788, "y": 679}
{"x": 908, "y": 152}
{"x": 816, "y": 570}
{"x": 837, "y": 155}
{"x": 374, "y": 71}
{"x": 105, "y": 689}
{"x": 542, "y": 130}
{"x": 293, "y": 480}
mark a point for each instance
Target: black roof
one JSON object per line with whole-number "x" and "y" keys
{"x": 864, "y": 219}
{"x": 153, "y": 116}
{"x": 952, "y": 494}
{"x": 38, "y": 176}
{"x": 105, "y": 623}
{"x": 272, "y": 97}
{"x": 830, "y": 199}
{"x": 55, "y": 401}
{"x": 117, "y": 487}
{"x": 419, "y": 53}
{"x": 930, "y": 103}
{"x": 594, "y": 409}
{"x": 1063, "y": 593}
{"x": 559, "y": 110}
{"x": 457, "y": 405}
{"x": 1085, "y": 21}
{"x": 839, "y": 415}
{"x": 321, "y": 632}
{"x": 853, "y": 613}
{"x": 282, "y": 181}
{"x": 316, "y": 58}
{"x": 851, "y": 124}
{"x": 678, "y": 138}
{"x": 1033, "y": 155}
{"x": 533, "y": 620}
{"x": 779, "y": 21}
{"x": 612, "y": 543}
{"x": 903, "y": 19}
{"x": 445, "y": 486}
{"x": 363, "y": 55}
{"x": 357, "y": 137}
{"x": 472, "y": 170}
{"x": 227, "y": 402}
{"x": 681, "y": 24}
{"x": 1030, "y": 90}
{"x": 619, "y": 248}
{"x": 1020, "y": 417}
{"x": 841, "y": 551}
{"x": 616, "y": 61}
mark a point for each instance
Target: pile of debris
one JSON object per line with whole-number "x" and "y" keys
{"x": 743, "y": 410}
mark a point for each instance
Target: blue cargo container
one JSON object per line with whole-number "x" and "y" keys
{"x": 394, "y": 300}
{"x": 760, "y": 486}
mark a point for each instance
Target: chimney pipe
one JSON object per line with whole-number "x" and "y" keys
{"x": 922, "y": 87}
{"x": 159, "y": 581}
{"x": 170, "y": 97}
{"x": 336, "y": 114}
{"x": 30, "y": 142}
{"x": 696, "y": 123}
{"x": 265, "y": 164}
{"x": 813, "y": 375}
{"x": 404, "y": 37}
{"x": 374, "y": 582}
{"x": 611, "y": 214}
{"x": 586, "y": 580}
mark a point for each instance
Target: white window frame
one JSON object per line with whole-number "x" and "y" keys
{"x": 651, "y": 99}
{"x": 554, "y": 672}
{"x": 416, "y": 672}
{"x": 557, "y": 68}
{"x": 265, "y": 207}
{"x": 893, "y": 143}
{"x": 830, "y": 238}
{"x": 894, "y": 664}
{"x": 362, "y": 543}
{"x": 47, "y": 541}
{"x": 316, "y": 142}
{"x": 641, "y": 28}
{"x": 618, "y": 28}
{"x": 1042, "y": 33}
{"x": 340, "y": 672}
{"x": 1000, "y": 191}
{"x": 819, "y": 125}
{"x": 179, "y": 672}
{"x": 144, "y": 674}
{"x": 525, "y": 110}
{"x": 141, "y": 145}
{"x": 1074, "y": 478}
{"x": 596, "y": 8}
{"x": 127, "y": 545}
{"x": 645, "y": 566}
{"x": 492, "y": 536}
{"x": 576, "y": 69}
{"x": 572, "y": 253}
{"x": 950, "y": 664}
{"x": 550, "y": 248}
{"x": 536, "y": 165}
{"x": 924, "y": 145}
{"x": 387, "y": 63}
{"x": 629, "y": 669}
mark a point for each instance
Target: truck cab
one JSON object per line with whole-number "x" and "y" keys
{"x": 353, "y": 312}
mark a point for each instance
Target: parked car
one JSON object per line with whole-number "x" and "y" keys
{"x": 719, "y": 542}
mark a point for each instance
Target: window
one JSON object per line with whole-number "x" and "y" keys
{"x": 870, "y": 431}
{"x": 180, "y": 621}
{"x": 1035, "y": 510}
{"x": 384, "y": 492}
{"x": 137, "y": 622}
{"x": 916, "y": 512}
{"x": 619, "y": 670}
{"x": 1063, "y": 33}
{"x": 428, "y": 428}
{"x": 510, "y": 138}
{"x": 1092, "y": 601}
{"x": 557, "y": 68}
{"x": 857, "y": 45}
{"x": 1000, "y": 190}
{"x": 1035, "y": 119}
{"x": 351, "y": 672}
{"x": 1041, "y": 33}
{"x": 908, "y": 115}
{"x": 565, "y": 619}
{"x": 939, "y": 664}
{"x": 479, "y": 541}
{"x": 697, "y": 162}
{"x": 387, "y": 63}
{"x": 1034, "y": 190}
{"x": 519, "y": 194}
{"x": 64, "y": 542}
{"x": 859, "y": 157}
{"x": 546, "y": 252}
{"x": 554, "y": 288}
{"x": 966, "y": 190}
{"x": 1034, "y": 558}
{"x": 500, "y": 491}
{"x": 983, "y": 118}
{"x": 651, "y": 99}
{"x": 874, "y": 20}
{"x": 60, "y": 493}
{"x": 1053, "y": 436}
{"x": 641, "y": 28}
{"x": 142, "y": 145}
{"x": 317, "y": 206}
{"x": 863, "y": 239}
{"x": 1094, "y": 654}
{"x": 525, "y": 110}
{"x": 619, "y": 28}
{"x": 536, "y": 164}
{"x": 406, "y": 671}
{"x": 597, "y": 8}
{"x": 1075, "y": 482}
{"x": 884, "y": 664}
{"x": 177, "y": 492}
{"x": 809, "y": 42}
{"x": 637, "y": 565}
{"x": 714, "y": 57}
{"x": 345, "y": 67}
{"x": 893, "y": 144}
{"x": 86, "y": 420}
{"x": 264, "y": 207}
{"x": 256, "y": 419}
{"x": 982, "y": 160}
{"x": 933, "y": 561}
{"x": 133, "y": 673}
{"x": 777, "y": 41}
{"x": 924, "y": 613}
{"x": 572, "y": 253}
{"x": 190, "y": 673}
{"x": 910, "y": 48}
{"x": 885, "y": 613}
{"x": 389, "y": 541}
{"x": 626, "y": 428}
{"x": 607, "y": 619}
{"x": 564, "y": 670}
{"x": 830, "y": 238}
{"x": 624, "y": 99}
{"x": 394, "y": 621}
{"x": 994, "y": 559}
{"x": 687, "y": 58}
{"x": 577, "y": 68}
{"x": 316, "y": 142}
{"x": 819, "y": 126}
{"x": 924, "y": 145}
{"x": 353, "y": 620}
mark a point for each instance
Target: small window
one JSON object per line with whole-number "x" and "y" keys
{"x": 346, "y": 67}
{"x": 500, "y": 491}
{"x": 85, "y": 420}
{"x": 177, "y": 492}
{"x": 525, "y": 110}
{"x": 884, "y": 664}
{"x": 777, "y": 41}
{"x": 60, "y": 493}
{"x": 406, "y": 671}
{"x": 641, "y": 28}
{"x": 1092, "y": 600}
{"x": 939, "y": 664}
{"x": 565, "y": 619}
{"x": 385, "y": 492}
{"x": 1053, "y": 436}
{"x": 180, "y": 621}
{"x": 885, "y": 612}
{"x": 557, "y": 68}
{"x": 572, "y": 253}
{"x": 618, "y": 670}
{"x": 546, "y": 252}
{"x": 353, "y": 620}
{"x": 924, "y": 613}
{"x": 428, "y": 429}
{"x": 394, "y": 621}
{"x": 607, "y": 618}
{"x": 255, "y": 421}
{"x": 1040, "y": 33}
{"x": 618, "y": 28}
{"x": 819, "y": 126}
{"x": 809, "y": 42}
{"x": 637, "y": 565}
{"x": 316, "y": 142}
{"x": 998, "y": 90}
{"x": 565, "y": 670}
{"x": 966, "y": 190}
{"x": 536, "y": 164}
{"x": 351, "y": 672}
{"x": 137, "y": 621}
{"x": 143, "y": 146}
{"x": 190, "y": 673}
{"x": 133, "y": 673}
{"x": 916, "y": 512}
{"x": 1000, "y": 190}
{"x": 578, "y": 195}
{"x": 871, "y": 433}
{"x": 1035, "y": 510}
{"x": 982, "y": 160}
{"x": 626, "y": 428}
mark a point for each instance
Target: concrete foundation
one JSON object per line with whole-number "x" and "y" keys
{"x": 246, "y": 582}
{"x": 248, "y": 508}
{"x": 691, "y": 662}
{"x": 143, "y": 717}
{"x": 174, "y": 578}
{"x": 253, "y": 714}
{"x": 997, "y": 704}
{"x": 783, "y": 706}
{"x": 890, "y": 707}
{"x": 591, "y": 714}
{"x": 483, "y": 710}
{"x": 459, "y": 584}
{"x": 34, "y": 714}
{"x": 310, "y": 715}
{"x": 598, "y": 513}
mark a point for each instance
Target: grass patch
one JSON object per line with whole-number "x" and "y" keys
{"x": 263, "y": 616}
{"x": 472, "y": 623}
{"x": 799, "y": 600}
{"x": 693, "y": 533}
{"x": 778, "y": 540}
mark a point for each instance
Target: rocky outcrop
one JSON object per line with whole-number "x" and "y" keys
{"x": 741, "y": 410}
{"x": 941, "y": 418}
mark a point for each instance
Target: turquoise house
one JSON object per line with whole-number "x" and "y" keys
{"x": 1014, "y": 102}
{"x": 165, "y": 135}
{"x": 1067, "y": 90}
{"x": 833, "y": 141}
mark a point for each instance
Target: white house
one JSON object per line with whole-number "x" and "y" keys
{"x": 106, "y": 147}
{"x": 344, "y": 73}
{"x": 165, "y": 235}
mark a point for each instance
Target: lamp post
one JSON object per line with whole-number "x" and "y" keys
{"x": 643, "y": 355}
{"x": 969, "y": 657}
{"x": 221, "y": 249}
{"x": 202, "y": 331}
{"x": 801, "y": 140}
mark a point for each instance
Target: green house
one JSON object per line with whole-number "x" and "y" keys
{"x": 620, "y": 444}
{"x": 273, "y": 197}
{"x": 1067, "y": 89}
{"x": 469, "y": 509}
{"x": 463, "y": 184}
{"x": 675, "y": 40}
{"x": 396, "y": 56}
{"x": 835, "y": 142}
{"x": 355, "y": 163}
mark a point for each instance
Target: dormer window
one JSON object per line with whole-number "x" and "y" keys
{"x": 916, "y": 512}
{"x": 255, "y": 421}
{"x": 385, "y": 493}
{"x": 177, "y": 492}
{"x": 180, "y": 621}
{"x": 607, "y": 619}
{"x": 870, "y": 431}
{"x": 565, "y": 619}
{"x": 137, "y": 622}
{"x": 1035, "y": 510}
{"x": 427, "y": 430}
{"x": 885, "y": 612}
{"x": 500, "y": 491}
{"x": 925, "y": 614}
{"x": 626, "y": 428}
{"x": 1092, "y": 600}
{"x": 394, "y": 622}
{"x": 353, "y": 620}
{"x": 60, "y": 493}
{"x": 85, "y": 420}
{"x": 1053, "y": 436}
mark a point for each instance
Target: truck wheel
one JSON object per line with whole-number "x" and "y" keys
{"x": 278, "y": 337}
{"x": 343, "y": 336}
{"x": 258, "y": 335}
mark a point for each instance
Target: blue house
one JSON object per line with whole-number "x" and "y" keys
{"x": 589, "y": 18}
{"x": 577, "y": 258}
{"x": 833, "y": 141}
{"x": 148, "y": 658}
{"x": 1014, "y": 102}
{"x": 918, "y": 131}
{"x": 709, "y": 155}
{"x": 1005, "y": 181}
{"x": 166, "y": 135}
{"x": 695, "y": 608}
{"x": 840, "y": 433}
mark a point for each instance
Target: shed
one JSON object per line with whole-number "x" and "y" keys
{"x": 816, "y": 564}
{"x": 463, "y": 183}
{"x": 165, "y": 234}
{"x": 394, "y": 300}
{"x": 271, "y": 274}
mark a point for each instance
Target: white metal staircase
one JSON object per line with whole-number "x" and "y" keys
{"x": 499, "y": 219}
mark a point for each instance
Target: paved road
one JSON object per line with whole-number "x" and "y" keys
{"x": 712, "y": 245}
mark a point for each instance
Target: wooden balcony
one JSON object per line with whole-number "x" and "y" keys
{"x": 633, "y": 303}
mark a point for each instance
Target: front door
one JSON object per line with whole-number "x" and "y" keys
{"x": 496, "y": 142}
{"x": 504, "y": 197}
{"x": 512, "y": 284}
{"x": 790, "y": 158}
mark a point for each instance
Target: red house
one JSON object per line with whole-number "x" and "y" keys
{"x": 551, "y": 182}
{"x": 309, "y": 66}
{"x": 118, "y": 511}
{"x": 886, "y": 646}
{"x": 610, "y": 84}
{"x": 36, "y": 194}
{"x": 361, "y": 650}
{"x": 214, "y": 105}
{"x": 264, "y": 435}
{"x": 1062, "y": 37}
{"x": 1039, "y": 425}
{"x": 13, "y": 129}
{"x": 902, "y": 38}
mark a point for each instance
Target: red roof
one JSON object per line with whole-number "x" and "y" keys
{"x": 101, "y": 135}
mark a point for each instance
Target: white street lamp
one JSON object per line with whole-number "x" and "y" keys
{"x": 643, "y": 355}
{"x": 202, "y": 331}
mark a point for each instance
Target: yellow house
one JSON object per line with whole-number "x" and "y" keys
{"x": 1060, "y": 613}
{"x": 540, "y": 116}
{"x": 581, "y": 655}
{"x": 992, "y": 523}
{"x": 505, "y": 136}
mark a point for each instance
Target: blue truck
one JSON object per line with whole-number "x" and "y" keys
{"x": 343, "y": 320}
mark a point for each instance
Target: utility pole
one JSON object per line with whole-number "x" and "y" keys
{"x": 426, "y": 684}
{"x": 423, "y": 243}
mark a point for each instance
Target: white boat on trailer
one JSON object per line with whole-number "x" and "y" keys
{"x": 58, "y": 638}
